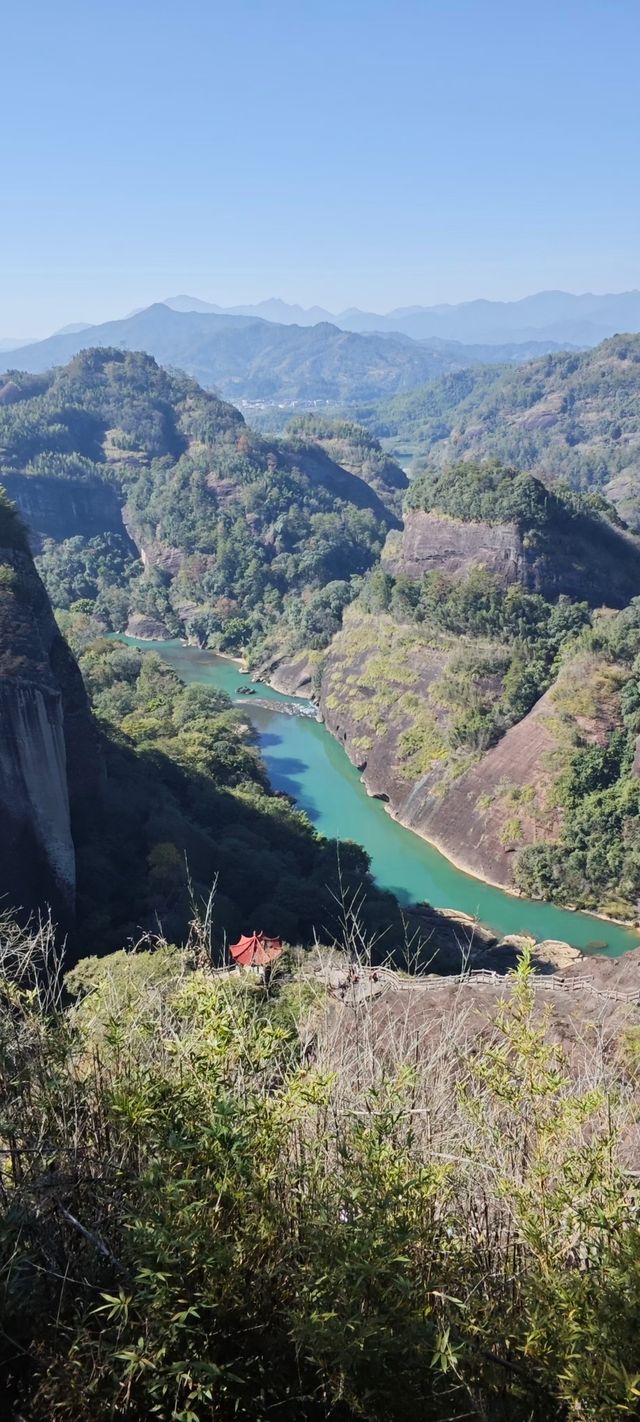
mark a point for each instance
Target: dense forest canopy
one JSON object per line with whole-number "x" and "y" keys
{"x": 570, "y": 415}
{"x": 238, "y": 530}
{"x": 492, "y": 492}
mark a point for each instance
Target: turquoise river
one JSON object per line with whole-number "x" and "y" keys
{"x": 304, "y": 760}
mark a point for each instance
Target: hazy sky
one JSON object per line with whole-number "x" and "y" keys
{"x": 334, "y": 151}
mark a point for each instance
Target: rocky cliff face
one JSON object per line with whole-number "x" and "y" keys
{"x": 49, "y": 766}
{"x": 381, "y": 696}
{"x": 432, "y": 542}
{"x": 64, "y": 508}
{"x": 590, "y": 560}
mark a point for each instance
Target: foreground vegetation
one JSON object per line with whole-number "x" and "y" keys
{"x": 225, "y": 1203}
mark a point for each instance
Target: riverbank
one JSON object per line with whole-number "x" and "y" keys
{"x": 141, "y": 628}
{"x": 306, "y": 762}
{"x": 632, "y": 924}
{"x": 285, "y": 675}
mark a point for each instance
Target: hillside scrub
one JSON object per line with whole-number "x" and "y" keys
{"x": 239, "y": 531}
{"x": 217, "y": 1204}
{"x": 568, "y": 415}
{"x": 596, "y": 862}
{"x": 527, "y": 635}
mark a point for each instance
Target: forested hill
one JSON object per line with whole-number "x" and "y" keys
{"x": 248, "y": 359}
{"x": 354, "y": 448}
{"x": 570, "y": 416}
{"x": 237, "y": 531}
{"x": 125, "y": 795}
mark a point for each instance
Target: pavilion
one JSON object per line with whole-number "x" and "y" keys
{"x": 255, "y": 951}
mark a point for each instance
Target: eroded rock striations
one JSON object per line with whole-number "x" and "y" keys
{"x": 49, "y": 765}
{"x": 587, "y": 558}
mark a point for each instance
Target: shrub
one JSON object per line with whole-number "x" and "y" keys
{"x": 200, "y": 1222}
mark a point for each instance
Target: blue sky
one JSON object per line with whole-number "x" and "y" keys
{"x": 331, "y": 151}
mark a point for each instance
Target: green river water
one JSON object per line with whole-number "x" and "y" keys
{"x": 304, "y": 760}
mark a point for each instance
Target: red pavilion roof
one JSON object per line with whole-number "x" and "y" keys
{"x": 255, "y": 950}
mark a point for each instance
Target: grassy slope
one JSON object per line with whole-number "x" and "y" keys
{"x": 260, "y": 1205}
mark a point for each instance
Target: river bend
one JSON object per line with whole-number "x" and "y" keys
{"x": 304, "y": 760}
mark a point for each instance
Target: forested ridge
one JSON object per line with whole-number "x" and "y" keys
{"x": 569, "y": 415}
{"x": 239, "y": 532}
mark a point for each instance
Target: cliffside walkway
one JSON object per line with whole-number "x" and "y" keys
{"x": 364, "y": 983}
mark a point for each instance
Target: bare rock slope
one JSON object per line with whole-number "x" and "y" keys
{"x": 591, "y": 560}
{"x": 383, "y": 697}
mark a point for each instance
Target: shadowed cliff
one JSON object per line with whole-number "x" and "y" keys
{"x": 49, "y": 769}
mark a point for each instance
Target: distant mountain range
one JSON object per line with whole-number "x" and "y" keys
{"x": 253, "y": 361}
{"x": 549, "y": 316}
{"x": 549, "y": 320}
{"x": 12, "y": 343}
{"x": 263, "y": 364}
{"x": 275, "y": 354}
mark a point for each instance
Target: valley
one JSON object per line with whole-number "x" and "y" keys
{"x": 320, "y": 712}
{"x": 306, "y": 762}
{"x": 470, "y": 634}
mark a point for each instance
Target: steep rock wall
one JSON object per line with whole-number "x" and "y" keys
{"x": 64, "y": 508}
{"x": 468, "y": 822}
{"x": 589, "y": 560}
{"x": 436, "y": 543}
{"x": 35, "y": 796}
{"x": 49, "y": 763}
{"x": 380, "y": 698}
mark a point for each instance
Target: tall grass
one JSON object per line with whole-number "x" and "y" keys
{"x": 226, "y": 1203}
